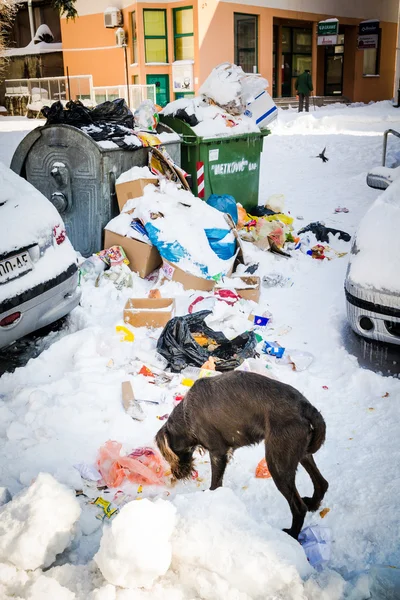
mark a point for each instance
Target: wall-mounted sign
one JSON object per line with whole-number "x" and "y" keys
{"x": 368, "y": 35}
{"x": 327, "y": 40}
{"x": 368, "y": 28}
{"x": 182, "y": 77}
{"x": 328, "y": 28}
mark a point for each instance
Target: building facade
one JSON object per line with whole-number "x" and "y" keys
{"x": 176, "y": 44}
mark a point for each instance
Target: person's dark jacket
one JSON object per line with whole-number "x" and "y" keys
{"x": 304, "y": 84}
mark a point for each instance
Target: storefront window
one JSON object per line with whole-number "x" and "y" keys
{"x": 246, "y": 34}
{"x": 371, "y": 60}
{"x": 155, "y": 36}
{"x": 302, "y": 41}
{"x": 183, "y": 33}
{"x": 286, "y": 40}
{"x": 300, "y": 64}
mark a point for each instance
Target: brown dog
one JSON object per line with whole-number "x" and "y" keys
{"x": 238, "y": 409}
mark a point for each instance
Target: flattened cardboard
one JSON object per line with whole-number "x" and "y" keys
{"x": 132, "y": 189}
{"x": 143, "y": 258}
{"x": 149, "y": 312}
{"x": 252, "y": 293}
{"x": 189, "y": 282}
{"x": 128, "y": 397}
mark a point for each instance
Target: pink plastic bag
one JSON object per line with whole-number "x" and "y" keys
{"x": 142, "y": 466}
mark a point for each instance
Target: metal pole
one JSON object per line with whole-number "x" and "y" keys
{"x": 126, "y": 73}
{"x": 69, "y": 85}
{"x": 31, "y": 19}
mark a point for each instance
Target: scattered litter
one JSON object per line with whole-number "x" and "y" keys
{"x": 126, "y": 334}
{"x": 146, "y": 468}
{"x": 262, "y": 471}
{"x": 87, "y": 472}
{"x": 325, "y": 387}
{"x": 277, "y": 280}
{"x": 107, "y": 508}
{"x": 146, "y": 372}
{"x": 131, "y": 405}
{"x": 341, "y": 209}
{"x": 386, "y": 395}
{"x": 324, "y": 512}
{"x": 146, "y": 116}
{"x": 273, "y": 349}
{"x": 316, "y": 542}
{"x": 299, "y": 359}
{"x": 163, "y": 417}
{"x": 261, "y": 320}
{"x": 322, "y": 233}
{"x": 120, "y": 275}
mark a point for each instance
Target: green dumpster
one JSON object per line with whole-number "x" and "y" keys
{"x": 221, "y": 165}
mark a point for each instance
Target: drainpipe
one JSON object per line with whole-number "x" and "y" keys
{"x": 31, "y": 19}
{"x": 397, "y": 70}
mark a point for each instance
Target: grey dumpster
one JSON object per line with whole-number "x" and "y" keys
{"x": 78, "y": 176}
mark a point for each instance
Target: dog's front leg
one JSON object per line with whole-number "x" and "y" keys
{"x": 218, "y": 466}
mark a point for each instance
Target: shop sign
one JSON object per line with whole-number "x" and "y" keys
{"x": 327, "y": 40}
{"x": 368, "y": 28}
{"x": 368, "y": 41}
{"x": 328, "y": 28}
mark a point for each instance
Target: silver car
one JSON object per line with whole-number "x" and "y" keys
{"x": 38, "y": 267}
{"x": 372, "y": 284}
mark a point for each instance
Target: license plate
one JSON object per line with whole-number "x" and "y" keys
{"x": 15, "y": 266}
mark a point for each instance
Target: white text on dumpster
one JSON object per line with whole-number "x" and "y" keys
{"x": 235, "y": 167}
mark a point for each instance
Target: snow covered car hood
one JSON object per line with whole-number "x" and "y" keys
{"x": 375, "y": 255}
{"x": 27, "y": 218}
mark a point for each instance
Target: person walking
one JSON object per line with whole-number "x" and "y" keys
{"x": 304, "y": 88}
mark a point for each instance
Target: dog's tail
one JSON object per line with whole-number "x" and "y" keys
{"x": 318, "y": 425}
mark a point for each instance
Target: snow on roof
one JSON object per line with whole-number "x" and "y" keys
{"x": 31, "y": 49}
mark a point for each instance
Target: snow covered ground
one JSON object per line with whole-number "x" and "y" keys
{"x": 227, "y": 545}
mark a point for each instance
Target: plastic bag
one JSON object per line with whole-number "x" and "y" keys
{"x": 225, "y": 204}
{"x": 177, "y": 345}
{"x": 117, "y": 112}
{"x": 316, "y": 542}
{"x": 146, "y": 116}
{"x": 252, "y": 86}
{"x": 143, "y": 465}
{"x": 276, "y": 202}
{"x": 262, "y": 471}
{"x": 222, "y": 241}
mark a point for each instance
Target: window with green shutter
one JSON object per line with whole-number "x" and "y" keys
{"x": 183, "y": 33}
{"x": 155, "y": 35}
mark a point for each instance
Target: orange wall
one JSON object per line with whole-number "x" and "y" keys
{"x": 214, "y": 43}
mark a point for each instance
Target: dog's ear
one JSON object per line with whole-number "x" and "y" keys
{"x": 165, "y": 449}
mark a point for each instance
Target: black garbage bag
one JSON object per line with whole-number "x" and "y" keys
{"x": 74, "y": 113}
{"x": 180, "y": 349}
{"x": 262, "y": 211}
{"x": 322, "y": 233}
{"x": 191, "y": 120}
{"x": 117, "y": 112}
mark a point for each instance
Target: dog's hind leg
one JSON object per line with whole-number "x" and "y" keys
{"x": 320, "y": 484}
{"x": 218, "y": 466}
{"x": 283, "y": 470}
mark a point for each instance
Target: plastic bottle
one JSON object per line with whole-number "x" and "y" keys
{"x": 92, "y": 266}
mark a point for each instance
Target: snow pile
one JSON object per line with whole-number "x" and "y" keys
{"x": 37, "y": 524}
{"x": 221, "y": 552}
{"x": 179, "y": 234}
{"x": 45, "y": 588}
{"x": 135, "y": 173}
{"x": 136, "y": 549}
{"x": 213, "y": 120}
{"x": 375, "y": 257}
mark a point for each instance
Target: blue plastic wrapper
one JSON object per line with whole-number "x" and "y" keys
{"x": 225, "y": 204}
{"x": 224, "y": 250}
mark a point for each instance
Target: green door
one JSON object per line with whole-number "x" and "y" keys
{"x": 162, "y": 87}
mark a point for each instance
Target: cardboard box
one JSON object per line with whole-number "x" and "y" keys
{"x": 262, "y": 110}
{"x": 143, "y": 258}
{"x": 149, "y": 312}
{"x": 189, "y": 282}
{"x": 132, "y": 189}
{"x": 250, "y": 293}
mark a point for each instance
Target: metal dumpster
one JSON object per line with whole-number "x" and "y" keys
{"x": 78, "y": 176}
{"x": 221, "y": 165}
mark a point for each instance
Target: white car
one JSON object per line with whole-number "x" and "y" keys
{"x": 372, "y": 283}
{"x": 38, "y": 265}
